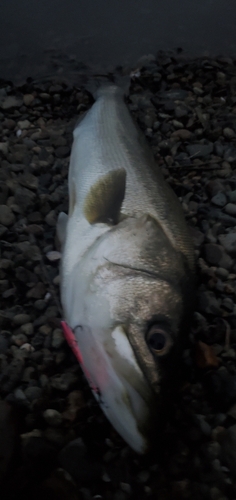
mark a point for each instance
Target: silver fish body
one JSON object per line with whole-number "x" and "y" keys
{"x": 127, "y": 268}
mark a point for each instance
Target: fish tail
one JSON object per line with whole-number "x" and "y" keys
{"x": 99, "y": 85}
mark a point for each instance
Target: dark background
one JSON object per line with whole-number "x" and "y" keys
{"x": 39, "y": 37}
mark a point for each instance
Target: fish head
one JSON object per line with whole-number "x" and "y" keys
{"x": 126, "y": 305}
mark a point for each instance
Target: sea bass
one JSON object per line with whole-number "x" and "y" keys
{"x": 127, "y": 267}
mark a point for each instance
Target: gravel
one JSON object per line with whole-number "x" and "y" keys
{"x": 67, "y": 449}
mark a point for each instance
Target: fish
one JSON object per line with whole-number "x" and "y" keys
{"x": 127, "y": 268}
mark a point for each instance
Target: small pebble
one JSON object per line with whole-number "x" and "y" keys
{"x": 58, "y": 338}
{"x": 219, "y": 200}
{"x": 21, "y": 319}
{"x": 52, "y": 417}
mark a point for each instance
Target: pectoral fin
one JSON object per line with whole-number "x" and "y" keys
{"x": 104, "y": 200}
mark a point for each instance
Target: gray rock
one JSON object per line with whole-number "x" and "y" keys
{"x": 230, "y": 209}
{"x": 182, "y": 134}
{"x": 23, "y": 124}
{"x": 27, "y": 329}
{"x": 210, "y": 238}
{"x": 204, "y": 426}
{"x": 51, "y": 218}
{"x": 227, "y": 220}
{"x": 21, "y": 319}
{"x": 11, "y": 375}
{"x": 19, "y": 339}
{"x": 230, "y": 154}
{"x": 199, "y": 150}
{"x": 62, "y": 152}
{"x": 58, "y": 338}
{"x": 231, "y": 196}
{"x": 181, "y": 111}
{"x": 213, "y": 253}
{"x": 64, "y": 381}
{"x": 208, "y": 303}
{"x": 214, "y": 187}
{"x": 174, "y": 94}
{"x": 24, "y": 198}
{"x": 197, "y": 236}
{"x": 33, "y": 393}
{"x": 4, "y": 148}
{"x": 37, "y": 292}
{"x": 28, "y": 99}
{"x": 229, "y": 242}
{"x": 30, "y": 252}
{"x": 229, "y": 133}
{"x": 28, "y": 180}
{"x": 52, "y": 417}
{"x": 228, "y": 304}
{"x": 55, "y": 436}
{"x": 222, "y": 273}
{"x": 7, "y": 218}
{"x": 219, "y": 200}
{"x": 11, "y": 102}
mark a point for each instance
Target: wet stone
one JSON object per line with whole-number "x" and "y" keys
{"x": 230, "y": 209}
{"x": 231, "y": 195}
{"x": 58, "y": 338}
{"x": 197, "y": 236}
{"x": 228, "y": 304}
{"x": 28, "y": 180}
{"x": 64, "y": 382}
{"x": 228, "y": 241}
{"x": 213, "y": 254}
{"x": 222, "y": 273}
{"x": 199, "y": 150}
{"x": 21, "y": 319}
{"x": 52, "y": 417}
{"x": 11, "y": 375}
{"x": 62, "y": 152}
{"x": 7, "y": 218}
{"x": 11, "y": 102}
{"x": 230, "y": 154}
{"x": 23, "y": 124}
{"x": 229, "y": 133}
{"x": 28, "y": 99}
{"x": 33, "y": 393}
{"x": 219, "y": 200}
{"x": 208, "y": 303}
{"x": 19, "y": 339}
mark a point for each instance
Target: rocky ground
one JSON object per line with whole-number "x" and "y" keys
{"x": 56, "y": 442}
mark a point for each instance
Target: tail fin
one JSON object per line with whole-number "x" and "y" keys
{"x": 97, "y": 85}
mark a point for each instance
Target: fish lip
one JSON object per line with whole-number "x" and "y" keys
{"x": 132, "y": 425}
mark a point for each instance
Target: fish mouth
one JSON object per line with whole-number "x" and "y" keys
{"x": 124, "y": 395}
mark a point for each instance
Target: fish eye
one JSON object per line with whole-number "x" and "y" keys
{"x": 158, "y": 340}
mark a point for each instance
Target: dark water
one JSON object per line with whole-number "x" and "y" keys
{"x": 37, "y": 37}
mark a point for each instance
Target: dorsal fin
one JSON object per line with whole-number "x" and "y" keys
{"x": 104, "y": 200}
